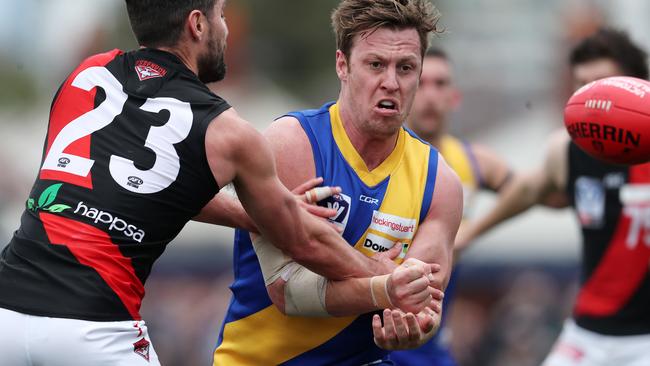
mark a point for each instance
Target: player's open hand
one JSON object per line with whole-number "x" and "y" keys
{"x": 309, "y": 193}
{"x": 410, "y": 288}
{"x": 402, "y": 331}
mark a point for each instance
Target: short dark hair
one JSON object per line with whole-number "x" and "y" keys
{"x": 158, "y": 23}
{"x": 615, "y": 45}
{"x": 358, "y": 17}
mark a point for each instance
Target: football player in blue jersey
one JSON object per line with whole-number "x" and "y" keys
{"x": 395, "y": 189}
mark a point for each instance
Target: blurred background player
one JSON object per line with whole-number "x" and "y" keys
{"x": 394, "y": 189}
{"x": 611, "y": 322}
{"x": 136, "y": 147}
{"x": 478, "y": 168}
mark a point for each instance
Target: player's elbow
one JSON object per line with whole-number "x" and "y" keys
{"x": 276, "y": 294}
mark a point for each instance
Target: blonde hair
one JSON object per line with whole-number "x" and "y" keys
{"x": 362, "y": 17}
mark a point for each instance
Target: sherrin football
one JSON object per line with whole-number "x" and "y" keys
{"x": 610, "y": 119}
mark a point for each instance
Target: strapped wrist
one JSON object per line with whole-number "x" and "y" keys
{"x": 379, "y": 292}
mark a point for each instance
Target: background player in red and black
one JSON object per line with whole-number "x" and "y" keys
{"x": 136, "y": 146}
{"x": 611, "y": 321}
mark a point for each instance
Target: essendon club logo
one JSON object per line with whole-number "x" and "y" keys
{"x": 148, "y": 70}
{"x": 141, "y": 348}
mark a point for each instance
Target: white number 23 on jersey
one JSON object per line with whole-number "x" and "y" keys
{"x": 160, "y": 138}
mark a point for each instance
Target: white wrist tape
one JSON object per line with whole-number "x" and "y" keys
{"x": 304, "y": 293}
{"x": 272, "y": 260}
{"x": 379, "y": 292}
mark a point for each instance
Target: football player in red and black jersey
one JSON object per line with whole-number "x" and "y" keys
{"x": 611, "y": 318}
{"x": 136, "y": 146}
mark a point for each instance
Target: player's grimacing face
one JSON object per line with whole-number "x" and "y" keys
{"x": 586, "y": 72}
{"x": 435, "y": 98}
{"x": 383, "y": 71}
{"x": 211, "y": 63}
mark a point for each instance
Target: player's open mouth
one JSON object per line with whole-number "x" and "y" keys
{"x": 387, "y": 104}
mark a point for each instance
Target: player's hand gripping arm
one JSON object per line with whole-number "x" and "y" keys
{"x": 226, "y": 210}
{"x": 238, "y": 153}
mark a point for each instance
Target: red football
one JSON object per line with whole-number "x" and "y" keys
{"x": 610, "y": 119}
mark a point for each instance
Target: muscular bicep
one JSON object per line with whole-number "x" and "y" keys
{"x": 238, "y": 153}
{"x": 434, "y": 240}
{"x": 292, "y": 151}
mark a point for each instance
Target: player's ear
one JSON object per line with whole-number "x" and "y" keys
{"x": 196, "y": 25}
{"x": 342, "y": 68}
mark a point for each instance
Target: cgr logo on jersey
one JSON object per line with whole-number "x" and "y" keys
{"x": 113, "y": 222}
{"x": 341, "y": 204}
{"x": 148, "y": 70}
{"x": 370, "y": 200}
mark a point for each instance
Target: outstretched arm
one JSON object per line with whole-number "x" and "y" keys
{"x": 542, "y": 185}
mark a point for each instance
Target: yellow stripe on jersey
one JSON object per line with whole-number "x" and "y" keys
{"x": 397, "y": 218}
{"x": 247, "y": 341}
{"x": 455, "y": 155}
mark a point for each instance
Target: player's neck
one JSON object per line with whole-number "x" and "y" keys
{"x": 372, "y": 148}
{"x": 185, "y": 55}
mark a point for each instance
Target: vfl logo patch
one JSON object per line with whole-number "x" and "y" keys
{"x": 341, "y": 204}
{"x": 395, "y": 226}
{"x": 141, "y": 348}
{"x": 149, "y": 70}
{"x": 590, "y": 202}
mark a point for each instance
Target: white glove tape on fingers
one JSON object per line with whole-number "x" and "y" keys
{"x": 316, "y": 194}
{"x": 304, "y": 293}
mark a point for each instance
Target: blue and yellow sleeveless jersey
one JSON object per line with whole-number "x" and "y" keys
{"x": 375, "y": 209}
{"x": 459, "y": 156}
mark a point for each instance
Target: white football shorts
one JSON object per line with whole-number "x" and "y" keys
{"x": 577, "y": 346}
{"x": 27, "y": 340}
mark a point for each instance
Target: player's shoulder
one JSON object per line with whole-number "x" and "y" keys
{"x": 101, "y": 59}
{"x": 291, "y": 126}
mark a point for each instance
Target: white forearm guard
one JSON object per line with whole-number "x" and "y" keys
{"x": 304, "y": 290}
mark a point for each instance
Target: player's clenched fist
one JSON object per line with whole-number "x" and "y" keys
{"x": 408, "y": 287}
